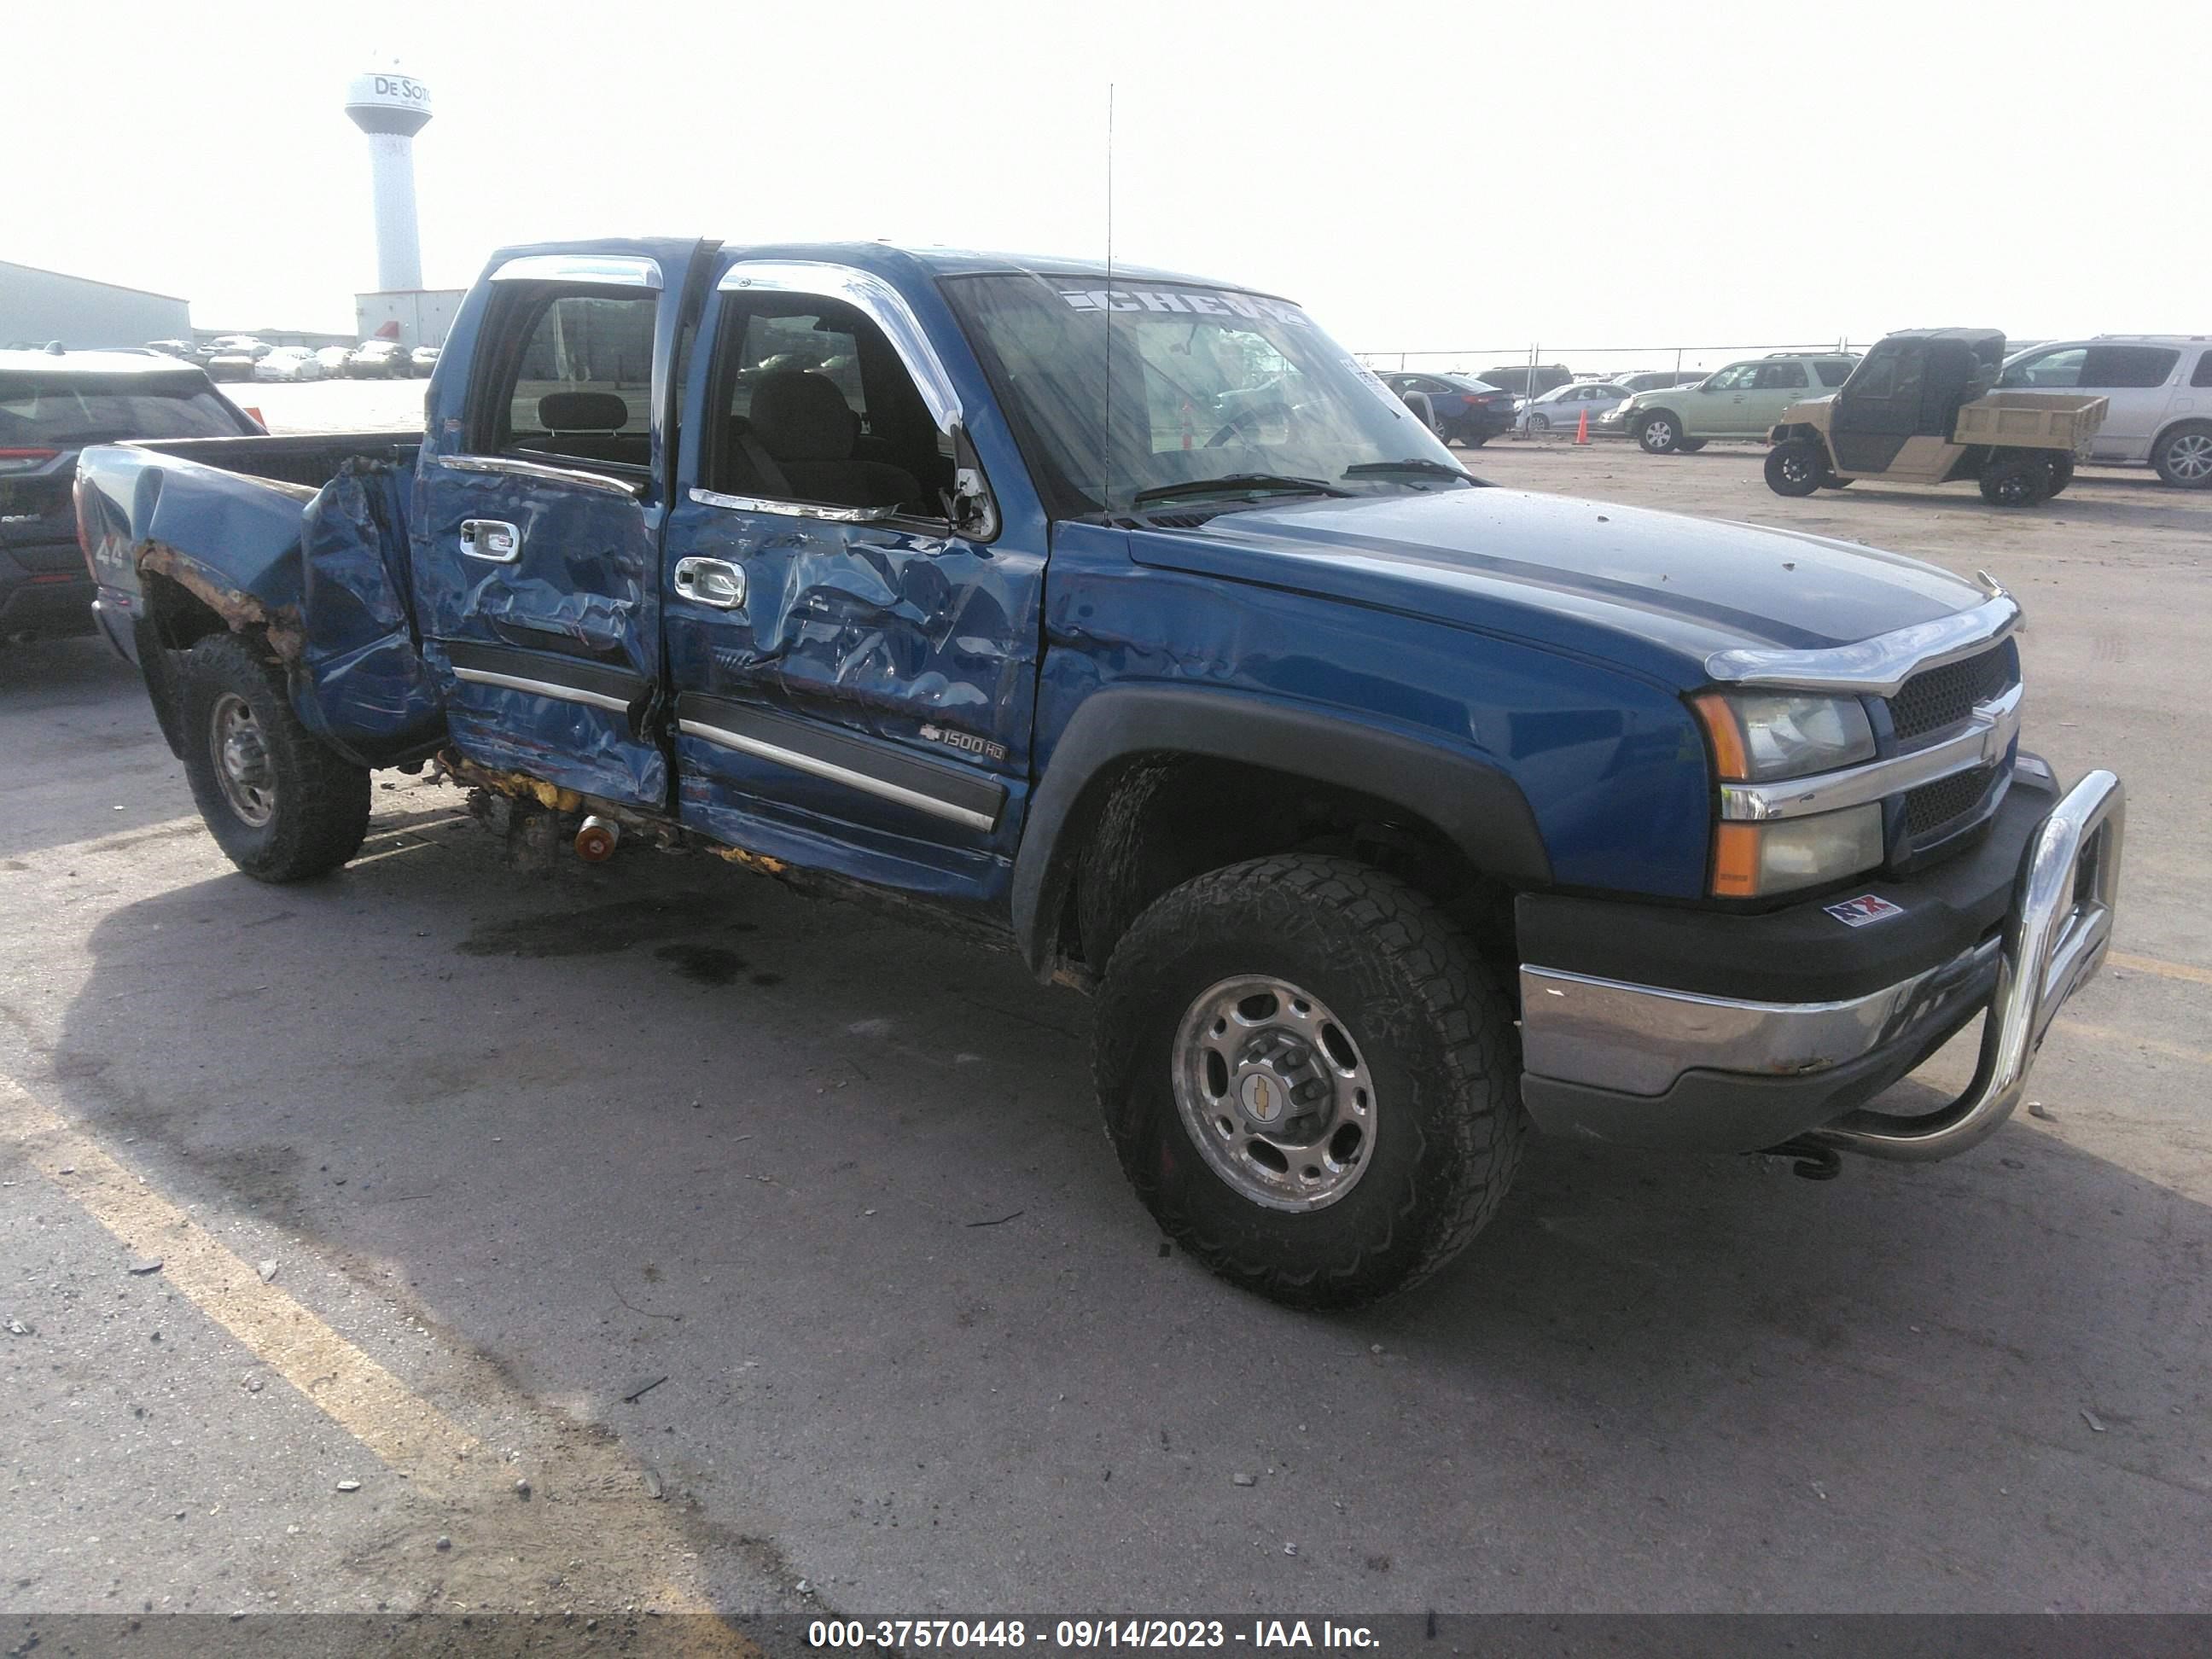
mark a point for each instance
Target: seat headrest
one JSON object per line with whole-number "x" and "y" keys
{"x": 582, "y": 412}
{"x": 801, "y": 416}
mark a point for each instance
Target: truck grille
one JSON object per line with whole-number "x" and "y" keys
{"x": 1944, "y": 697}
{"x": 1936, "y": 806}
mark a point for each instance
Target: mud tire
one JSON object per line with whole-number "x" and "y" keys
{"x": 320, "y": 800}
{"x": 1437, "y": 1035}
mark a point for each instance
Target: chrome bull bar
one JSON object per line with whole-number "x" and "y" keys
{"x": 2055, "y": 938}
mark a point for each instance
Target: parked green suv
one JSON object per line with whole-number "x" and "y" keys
{"x": 1741, "y": 401}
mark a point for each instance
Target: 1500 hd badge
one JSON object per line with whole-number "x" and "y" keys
{"x": 982, "y": 747}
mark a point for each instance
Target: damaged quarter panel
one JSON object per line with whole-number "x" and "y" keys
{"x": 361, "y": 683}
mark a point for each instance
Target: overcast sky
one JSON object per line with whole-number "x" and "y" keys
{"x": 1468, "y": 175}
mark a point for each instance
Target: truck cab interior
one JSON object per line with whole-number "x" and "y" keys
{"x": 811, "y": 403}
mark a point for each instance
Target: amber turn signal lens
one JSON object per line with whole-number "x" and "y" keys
{"x": 1736, "y": 860}
{"x": 1722, "y": 731}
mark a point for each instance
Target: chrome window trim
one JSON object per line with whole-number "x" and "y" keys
{"x": 542, "y": 688}
{"x": 605, "y": 269}
{"x": 795, "y": 509}
{"x": 1878, "y": 667}
{"x": 1983, "y": 741}
{"x": 836, "y": 774}
{"x": 875, "y": 299}
{"x": 510, "y": 466}
{"x": 1640, "y": 1039}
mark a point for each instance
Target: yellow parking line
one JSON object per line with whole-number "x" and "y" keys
{"x": 404, "y": 1431}
{"x": 2157, "y": 1046}
{"x": 2181, "y": 971}
{"x": 362, "y": 1398}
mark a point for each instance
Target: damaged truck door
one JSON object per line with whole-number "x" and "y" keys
{"x": 848, "y": 668}
{"x": 537, "y": 524}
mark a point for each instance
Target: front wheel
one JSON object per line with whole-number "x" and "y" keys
{"x": 1309, "y": 1080}
{"x": 1660, "y": 434}
{"x": 2061, "y": 473}
{"x": 1796, "y": 468}
{"x": 1539, "y": 423}
{"x": 279, "y": 804}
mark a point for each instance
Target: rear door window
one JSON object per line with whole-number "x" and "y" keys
{"x": 1778, "y": 377}
{"x": 578, "y": 386}
{"x": 1833, "y": 373}
{"x": 2202, "y": 377}
{"x": 67, "y": 411}
{"x": 2127, "y": 368}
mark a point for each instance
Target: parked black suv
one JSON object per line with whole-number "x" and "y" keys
{"x": 53, "y": 403}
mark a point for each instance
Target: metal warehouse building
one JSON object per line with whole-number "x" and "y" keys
{"x": 38, "y": 305}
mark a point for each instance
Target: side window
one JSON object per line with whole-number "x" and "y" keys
{"x": 2202, "y": 377}
{"x": 2122, "y": 368}
{"x": 2062, "y": 368}
{"x": 1778, "y": 377}
{"x": 575, "y": 378}
{"x": 583, "y": 387}
{"x": 1833, "y": 372}
{"x": 1877, "y": 377}
{"x": 813, "y": 405}
{"x": 1735, "y": 377}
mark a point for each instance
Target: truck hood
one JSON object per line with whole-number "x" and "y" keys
{"x": 1655, "y": 591}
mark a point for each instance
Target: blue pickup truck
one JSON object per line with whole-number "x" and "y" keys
{"x": 1124, "y": 619}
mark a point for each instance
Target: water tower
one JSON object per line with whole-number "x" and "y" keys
{"x": 391, "y": 108}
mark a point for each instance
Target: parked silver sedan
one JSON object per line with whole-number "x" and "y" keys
{"x": 1565, "y": 405}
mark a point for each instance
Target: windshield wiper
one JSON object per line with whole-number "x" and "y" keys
{"x": 1419, "y": 464}
{"x": 1230, "y": 482}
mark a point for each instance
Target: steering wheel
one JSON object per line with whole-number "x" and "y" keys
{"x": 1250, "y": 413}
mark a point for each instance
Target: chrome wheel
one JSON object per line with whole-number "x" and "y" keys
{"x": 2189, "y": 457}
{"x": 241, "y": 760}
{"x": 1274, "y": 1093}
{"x": 1540, "y": 423}
{"x": 1658, "y": 435}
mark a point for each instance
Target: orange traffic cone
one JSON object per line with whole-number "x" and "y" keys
{"x": 1582, "y": 428}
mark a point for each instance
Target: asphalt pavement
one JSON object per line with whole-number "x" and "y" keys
{"x": 774, "y": 1249}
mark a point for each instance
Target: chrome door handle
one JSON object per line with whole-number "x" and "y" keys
{"x": 494, "y": 539}
{"x": 714, "y": 582}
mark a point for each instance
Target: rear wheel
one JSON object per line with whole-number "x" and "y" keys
{"x": 1660, "y": 434}
{"x": 2060, "y": 471}
{"x": 1308, "y": 1079}
{"x": 2184, "y": 456}
{"x": 2019, "y": 480}
{"x": 279, "y": 804}
{"x": 1796, "y": 468}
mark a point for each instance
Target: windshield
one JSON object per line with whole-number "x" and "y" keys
{"x": 62, "y": 411}
{"x": 1206, "y": 383}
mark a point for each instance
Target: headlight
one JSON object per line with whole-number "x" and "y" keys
{"x": 1760, "y": 736}
{"x": 1751, "y": 861}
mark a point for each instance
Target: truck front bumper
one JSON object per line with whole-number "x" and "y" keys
{"x": 1696, "y": 1061}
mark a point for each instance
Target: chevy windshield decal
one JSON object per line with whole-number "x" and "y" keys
{"x": 1188, "y": 302}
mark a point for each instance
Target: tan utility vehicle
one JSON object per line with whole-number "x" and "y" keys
{"x": 1920, "y": 407}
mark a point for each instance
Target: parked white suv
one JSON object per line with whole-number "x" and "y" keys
{"x": 2160, "y": 389}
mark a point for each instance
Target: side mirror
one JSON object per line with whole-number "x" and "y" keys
{"x": 970, "y": 507}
